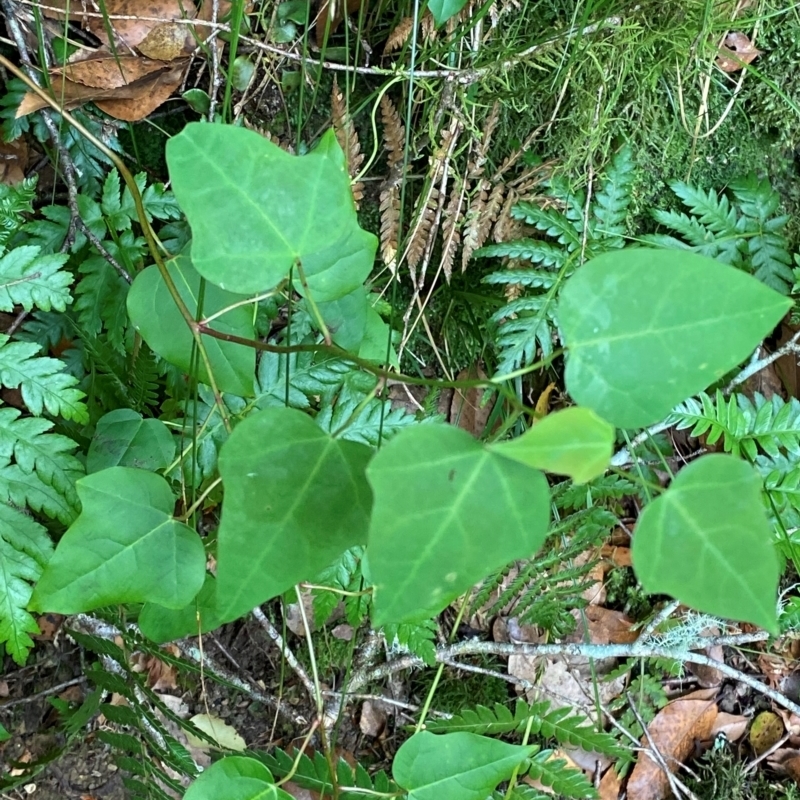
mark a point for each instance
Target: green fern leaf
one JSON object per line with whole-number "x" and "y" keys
{"x": 756, "y": 198}
{"x": 31, "y": 280}
{"x": 309, "y": 377}
{"x": 144, "y": 380}
{"x": 46, "y": 328}
{"x": 530, "y": 278}
{"x": 15, "y": 203}
{"x": 539, "y": 252}
{"x": 315, "y": 775}
{"x": 25, "y": 549}
{"x": 417, "y": 639}
{"x": 338, "y": 575}
{"x": 43, "y": 383}
{"x": 551, "y": 222}
{"x": 31, "y": 443}
{"x": 697, "y": 235}
{"x": 744, "y": 425}
{"x": 22, "y": 489}
{"x": 564, "y": 780}
{"x": 611, "y": 203}
{"x": 714, "y": 211}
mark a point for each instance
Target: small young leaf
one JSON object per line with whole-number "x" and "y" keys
{"x": 123, "y": 438}
{"x": 473, "y": 511}
{"x": 707, "y": 542}
{"x": 125, "y": 547}
{"x": 638, "y": 340}
{"x": 574, "y": 442}
{"x": 455, "y": 766}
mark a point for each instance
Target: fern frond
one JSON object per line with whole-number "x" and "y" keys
{"x": 559, "y": 724}
{"x": 535, "y": 250}
{"x": 399, "y": 35}
{"x": 44, "y": 384}
{"x": 696, "y": 234}
{"x": 713, "y": 211}
{"x": 315, "y": 774}
{"x": 101, "y": 294}
{"x": 310, "y": 376}
{"x": 369, "y": 424}
{"x": 530, "y": 278}
{"x": 472, "y": 222}
{"x": 23, "y": 489}
{"x": 451, "y": 235}
{"x": 15, "y": 203}
{"x": 25, "y": 549}
{"x": 30, "y": 280}
{"x": 424, "y": 217}
{"x": 744, "y": 425}
{"x": 757, "y": 199}
{"x": 417, "y": 639}
{"x": 568, "y": 495}
{"x": 143, "y": 380}
{"x": 611, "y": 203}
{"x": 347, "y": 137}
{"x": 565, "y": 781}
{"x": 551, "y": 222}
{"x": 338, "y": 575}
{"x": 394, "y": 132}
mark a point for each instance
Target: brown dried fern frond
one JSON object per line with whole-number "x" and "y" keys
{"x": 490, "y": 211}
{"x": 394, "y": 132}
{"x": 270, "y": 137}
{"x": 505, "y": 223}
{"x": 472, "y": 222}
{"x": 451, "y": 235}
{"x": 347, "y": 137}
{"x": 481, "y": 148}
{"x": 424, "y": 215}
{"x": 399, "y": 36}
{"x": 390, "y": 223}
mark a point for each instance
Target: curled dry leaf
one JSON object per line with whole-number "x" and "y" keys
{"x": 168, "y": 41}
{"x": 674, "y": 732}
{"x": 13, "y": 161}
{"x": 734, "y": 726}
{"x": 105, "y": 71}
{"x": 142, "y": 16}
{"x": 610, "y": 785}
{"x": 737, "y": 52}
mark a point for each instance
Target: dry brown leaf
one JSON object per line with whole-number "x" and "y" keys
{"x": 13, "y": 161}
{"x": 618, "y": 556}
{"x": 610, "y": 785}
{"x": 424, "y": 219}
{"x": 609, "y": 627}
{"x": 466, "y": 411}
{"x": 68, "y": 95}
{"x": 105, "y": 71}
{"x": 674, "y": 732}
{"x": 394, "y": 132}
{"x": 4, "y": 689}
{"x": 766, "y": 731}
{"x": 372, "y": 721}
{"x": 64, "y": 9}
{"x": 734, "y": 726}
{"x": 148, "y": 94}
{"x": 144, "y": 16}
{"x": 168, "y": 41}
{"x": 738, "y": 50}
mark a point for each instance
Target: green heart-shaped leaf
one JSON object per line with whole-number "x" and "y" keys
{"x": 295, "y": 499}
{"x": 155, "y": 315}
{"x": 279, "y": 210}
{"x": 455, "y": 766}
{"x": 574, "y": 442}
{"x": 448, "y": 511}
{"x": 123, "y": 438}
{"x": 645, "y": 329}
{"x": 707, "y": 542}
{"x": 125, "y": 547}
{"x": 236, "y": 778}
